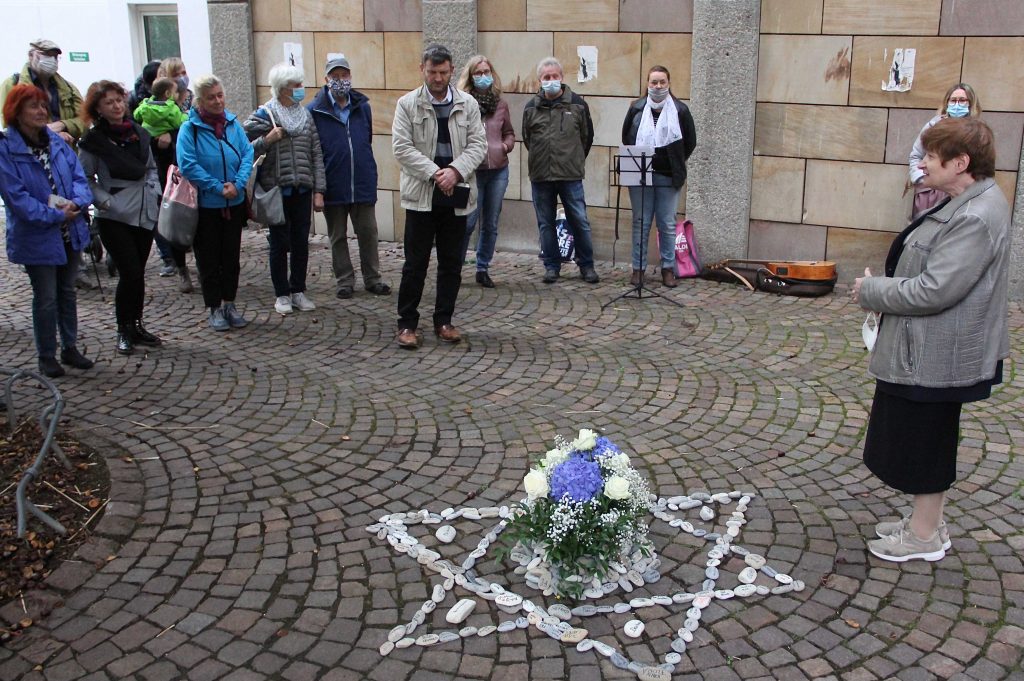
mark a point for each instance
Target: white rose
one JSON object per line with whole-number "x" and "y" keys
{"x": 616, "y": 487}
{"x": 536, "y": 484}
{"x": 586, "y": 440}
{"x": 620, "y": 461}
{"x": 554, "y": 457}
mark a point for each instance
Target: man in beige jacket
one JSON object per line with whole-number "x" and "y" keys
{"x": 439, "y": 141}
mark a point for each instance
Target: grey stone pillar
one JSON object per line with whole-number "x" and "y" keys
{"x": 453, "y": 24}
{"x": 232, "y": 53}
{"x": 1017, "y": 230}
{"x": 722, "y": 98}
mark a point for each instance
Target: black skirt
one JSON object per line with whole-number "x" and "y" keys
{"x": 911, "y": 446}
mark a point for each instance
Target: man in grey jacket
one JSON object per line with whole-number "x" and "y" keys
{"x": 558, "y": 131}
{"x": 439, "y": 141}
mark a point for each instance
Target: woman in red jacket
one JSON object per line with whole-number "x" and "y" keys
{"x": 481, "y": 81}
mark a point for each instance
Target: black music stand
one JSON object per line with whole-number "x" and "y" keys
{"x": 634, "y": 165}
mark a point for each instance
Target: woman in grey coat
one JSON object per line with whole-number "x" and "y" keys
{"x": 119, "y": 165}
{"x": 943, "y": 334}
{"x": 283, "y": 130}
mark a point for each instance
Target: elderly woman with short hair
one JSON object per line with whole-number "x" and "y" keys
{"x": 45, "y": 193}
{"x": 943, "y": 335}
{"x": 284, "y": 131}
{"x": 215, "y": 155}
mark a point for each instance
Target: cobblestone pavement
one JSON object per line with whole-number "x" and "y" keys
{"x": 236, "y": 547}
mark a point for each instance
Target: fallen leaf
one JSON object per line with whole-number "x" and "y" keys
{"x": 853, "y": 623}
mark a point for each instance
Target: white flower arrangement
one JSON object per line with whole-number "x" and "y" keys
{"x": 585, "y": 510}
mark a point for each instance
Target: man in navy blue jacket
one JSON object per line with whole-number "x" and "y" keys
{"x": 345, "y": 125}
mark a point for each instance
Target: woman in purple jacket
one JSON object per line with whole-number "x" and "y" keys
{"x": 481, "y": 81}
{"x": 45, "y": 194}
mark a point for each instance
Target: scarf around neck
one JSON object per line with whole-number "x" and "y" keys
{"x": 663, "y": 132}
{"x": 291, "y": 118}
{"x": 216, "y": 121}
{"x": 487, "y": 100}
{"x": 123, "y": 147}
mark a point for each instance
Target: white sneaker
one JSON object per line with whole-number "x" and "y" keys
{"x": 300, "y": 301}
{"x": 283, "y": 305}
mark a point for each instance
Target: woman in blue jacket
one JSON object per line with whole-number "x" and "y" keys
{"x": 215, "y": 155}
{"x": 45, "y": 194}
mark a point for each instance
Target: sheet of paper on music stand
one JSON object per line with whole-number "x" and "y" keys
{"x": 631, "y": 160}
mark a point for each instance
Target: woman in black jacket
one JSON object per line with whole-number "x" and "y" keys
{"x": 661, "y": 121}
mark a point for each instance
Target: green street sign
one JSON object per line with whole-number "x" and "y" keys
{"x": 78, "y": 56}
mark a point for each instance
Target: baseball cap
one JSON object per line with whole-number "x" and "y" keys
{"x": 44, "y": 45}
{"x": 334, "y": 61}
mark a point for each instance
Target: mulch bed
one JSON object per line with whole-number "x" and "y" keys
{"x": 75, "y": 498}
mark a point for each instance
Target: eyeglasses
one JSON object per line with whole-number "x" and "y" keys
{"x": 959, "y": 100}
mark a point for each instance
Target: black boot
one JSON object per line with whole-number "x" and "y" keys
{"x": 142, "y": 337}
{"x": 124, "y": 340}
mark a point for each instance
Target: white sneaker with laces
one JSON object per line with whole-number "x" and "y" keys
{"x": 884, "y": 529}
{"x": 283, "y": 305}
{"x": 904, "y": 545}
{"x": 300, "y": 301}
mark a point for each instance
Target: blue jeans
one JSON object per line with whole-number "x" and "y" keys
{"x": 659, "y": 201}
{"x": 571, "y": 193}
{"x": 291, "y": 237}
{"x": 491, "y": 186}
{"x": 54, "y": 304}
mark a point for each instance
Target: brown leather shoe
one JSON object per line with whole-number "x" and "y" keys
{"x": 409, "y": 339}
{"x": 634, "y": 279}
{"x": 668, "y": 277}
{"x": 448, "y": 333}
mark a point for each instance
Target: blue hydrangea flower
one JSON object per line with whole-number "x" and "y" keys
{"x": 577, "y": 477}
{"x": 605, "y": 447}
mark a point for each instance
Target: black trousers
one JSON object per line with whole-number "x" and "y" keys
{"x": 217, "y": 248}
{"x": 129, "y": 247}
{"x": 423, "y": 230}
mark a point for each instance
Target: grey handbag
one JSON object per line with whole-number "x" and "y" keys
{"x": 267, "y": 205}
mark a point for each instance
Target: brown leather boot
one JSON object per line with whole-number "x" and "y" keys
{"x": 634, "y": 279}
{"x": 668, "y": 277}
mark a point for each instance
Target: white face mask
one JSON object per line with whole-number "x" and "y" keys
{"x": 869, "y": 330}
{"x": 46, "y": 65}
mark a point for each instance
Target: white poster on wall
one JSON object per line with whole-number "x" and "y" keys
{"x": 901, "y": 70}
{"x": 587, "y": 55}
{"x": 293, "y": 54}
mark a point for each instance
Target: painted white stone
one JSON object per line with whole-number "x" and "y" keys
{"x": 585, "y": 645}
{"x": 397, "y": 633}
{"x": 634, "y": 628}
{"x": 404, "y": 642}
{"x": 438, "y": 594}
{"x": 386, "y": 647}
{"x": 487, "y": 631}
{"x": 506, "y": 626}
{"x": 783, "y": 579}
{"x": 428, "y": 640}
{"x": 560, "y": 611}
{"x": 445, "y": 533}
{"x": 673, "y": 658}
{"x": 573, "y": 635}
{"x": 466, "y": 632}
{"x": 508, "y": 601}
{"x": 748, "y": 575}
{"x": 755, "y": 560}
{"x": 744, "y": 590}
{"x": 458, "y": 613}
{"x": 653, "y": 674}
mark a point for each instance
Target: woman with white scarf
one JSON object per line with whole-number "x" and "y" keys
{"x": 661, "y": 121}
{"x": 284, "y": 130}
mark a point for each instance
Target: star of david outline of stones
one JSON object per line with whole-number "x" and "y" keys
{"x": 553, "y": 620}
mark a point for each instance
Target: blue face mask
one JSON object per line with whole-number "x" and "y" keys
{"x": 483, "y": 82}
{"x": 551, "y": 87}
{"x": 298, "y": 94}
{"x": 958, "y": 110}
